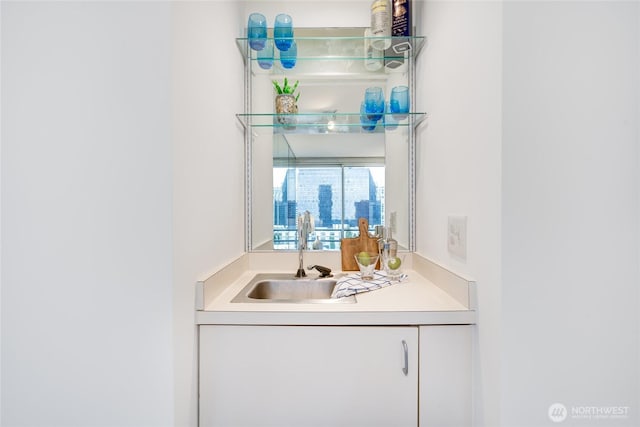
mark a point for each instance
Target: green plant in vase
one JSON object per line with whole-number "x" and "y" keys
{"x": 285, "y": 89}
{"x": 286, "y": 102}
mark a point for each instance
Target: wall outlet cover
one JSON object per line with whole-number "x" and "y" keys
{"x": 457, "y": 236}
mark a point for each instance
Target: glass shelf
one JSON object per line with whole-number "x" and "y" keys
{"x": 325, "y": 123}
{"x": 335, "y": 44}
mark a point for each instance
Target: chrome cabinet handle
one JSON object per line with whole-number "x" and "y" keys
{"x": 405, "y": 368}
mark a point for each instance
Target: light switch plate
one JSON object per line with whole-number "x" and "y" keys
{"x": 457, "y": 236}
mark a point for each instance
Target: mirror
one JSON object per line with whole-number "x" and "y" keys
{"x": 326, "y": 163}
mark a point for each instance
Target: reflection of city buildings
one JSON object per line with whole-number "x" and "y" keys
{"x": 325, "y": 205}
{"x": 320, "y": 191}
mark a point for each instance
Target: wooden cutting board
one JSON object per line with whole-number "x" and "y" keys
{"x": 350, "y": 246}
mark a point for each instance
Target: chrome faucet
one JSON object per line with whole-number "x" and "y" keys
{"x": 305, "y": 226}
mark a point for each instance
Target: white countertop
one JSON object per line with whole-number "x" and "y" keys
{"x": 414, "y": 301}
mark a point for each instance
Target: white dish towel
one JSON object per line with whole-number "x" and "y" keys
{"x": 353, "y": 284}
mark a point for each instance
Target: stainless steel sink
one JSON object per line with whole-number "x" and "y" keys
{"x": 285, "y": 288}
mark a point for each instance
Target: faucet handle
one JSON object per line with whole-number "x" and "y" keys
{"x": 324, "y": 271}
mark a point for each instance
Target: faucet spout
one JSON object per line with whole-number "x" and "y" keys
{"x": 305, "y": 226}
{"x": 300, "y": 272}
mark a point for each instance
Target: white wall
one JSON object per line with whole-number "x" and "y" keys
{"x": 547, "y": 173}
{"x": 86, "y": 214}
{"x": 570, "y": 210}
{"x": 459, "y": 78}
{"x": 311, "y": 13}
{"x": 1, "y": 274}
{"x": 208, "y": 175}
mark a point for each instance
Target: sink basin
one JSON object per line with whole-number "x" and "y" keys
{"x": 292, "y": 289}
{"x": 284, "y": 288}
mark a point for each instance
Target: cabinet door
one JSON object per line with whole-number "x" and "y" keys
{"x": 445, "y": 376}
{"x": 308, "y": 376}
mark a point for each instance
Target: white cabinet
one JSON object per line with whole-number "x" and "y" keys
{"x": 308, "y": 376}
{"x": 445, "y": 376}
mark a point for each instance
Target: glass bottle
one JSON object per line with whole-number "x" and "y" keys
{"x": 387, "y": 245}
{"x": 373, "y": 56}
{"x": 381, "y": 15}
{"x": 393, "y": 243}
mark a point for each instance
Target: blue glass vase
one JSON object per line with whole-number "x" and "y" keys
{"x": 289, "y": 57}
{"x": 374, "y": 102}
{"x": 265, "y": 56}
{"x": 399, "y": 102}
{"x": 257, "y": 31}
{"x": 283, "y": 32}
{"x": 366, "y": 123}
